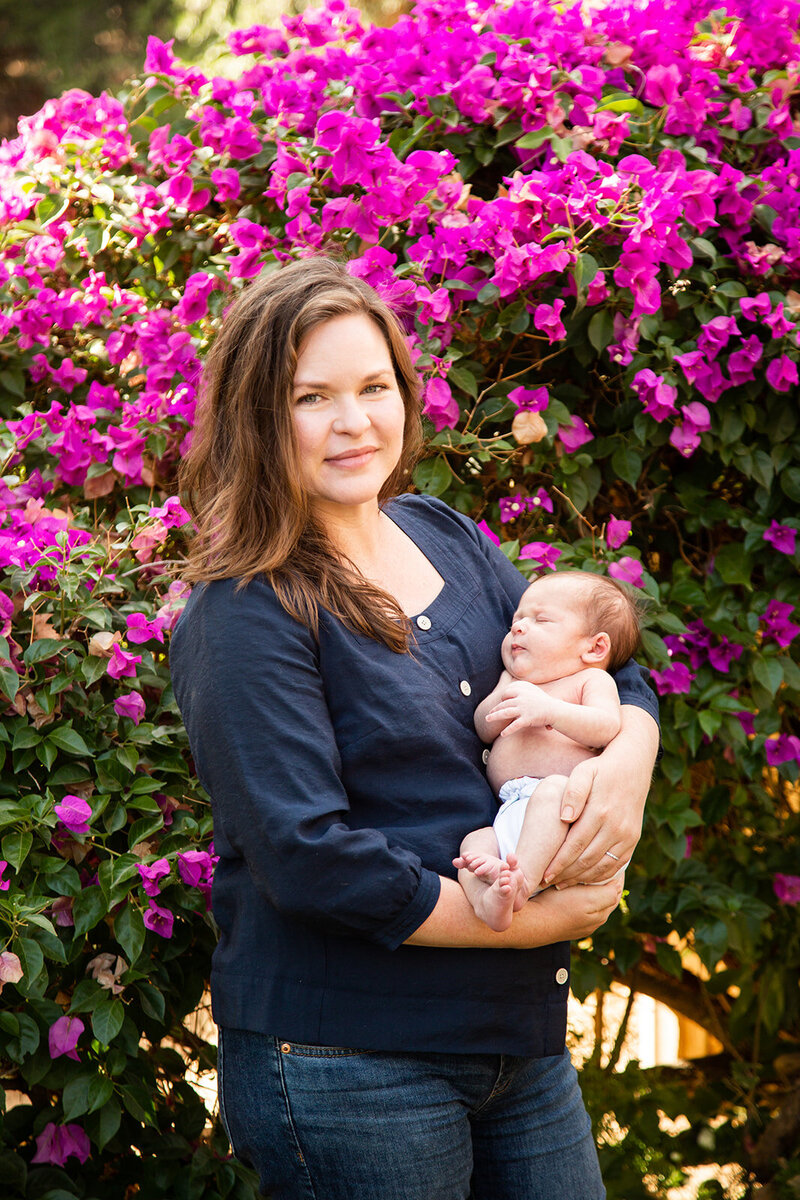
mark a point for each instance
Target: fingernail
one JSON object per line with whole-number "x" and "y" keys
{"x": 547, "y": 879}
{"x": 566, "y": 814}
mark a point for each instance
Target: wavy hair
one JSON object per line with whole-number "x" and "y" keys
{"x": 241, "y": 479}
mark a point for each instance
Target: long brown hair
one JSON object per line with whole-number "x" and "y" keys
{"x": 241, "y": 477}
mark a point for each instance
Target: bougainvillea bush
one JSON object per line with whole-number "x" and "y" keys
{"x": 589, "y": 221}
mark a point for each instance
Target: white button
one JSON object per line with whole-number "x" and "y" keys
{"x": 485, "y": 756}
{"x": 465, "y": 688}
{"x": 424, "y": 622}
{"x": 562, "y": 975}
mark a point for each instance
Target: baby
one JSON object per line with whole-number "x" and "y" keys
{"x": 554, "y": 706}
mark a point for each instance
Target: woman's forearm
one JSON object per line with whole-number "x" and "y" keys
{"x": 552, "y": 916}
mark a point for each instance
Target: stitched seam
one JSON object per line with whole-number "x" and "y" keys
{"x": 221, "y": 1093}
{"x": 497, "y": 1089}
{"x": 292, "y": 1127}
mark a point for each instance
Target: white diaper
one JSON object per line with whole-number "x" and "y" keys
{"x": 514, "y": 796}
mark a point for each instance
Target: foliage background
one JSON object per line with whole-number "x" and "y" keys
{"x": 590, "y": 228}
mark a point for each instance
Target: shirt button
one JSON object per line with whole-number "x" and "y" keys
{"x": 466, "y": 690}
{"x": 485, "y": 756}
{"x": 562, "y": 975}
{"x": 424, "y": 622}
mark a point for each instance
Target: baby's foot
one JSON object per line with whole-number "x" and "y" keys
{"x": 505, "y": 896}
{"x": 486, "y": 866}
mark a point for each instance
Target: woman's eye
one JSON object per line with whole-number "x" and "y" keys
{"x": 375, "y": 388}
{"x": 309, "y": 398}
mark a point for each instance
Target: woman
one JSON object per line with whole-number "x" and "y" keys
{"x": 377, "y": 1040}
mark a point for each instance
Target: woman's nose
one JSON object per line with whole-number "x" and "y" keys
{"x": 351, "y": 416}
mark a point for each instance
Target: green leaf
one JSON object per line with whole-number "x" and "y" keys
{"x": 9, "y": 682}
{"x": 130, "y": 932}
{"x": 601, "y": 330}
{"x": 463, "y": 379}
{"x": 433, "y": 476}
{"x": 627, "y": 464}
{"x": 75, "y": 1098}
{"x": 16, "y": 847}
{"x": 769, "y": 672}
{"x": 100, "y": 1091}
{"x": 733, "y": 564}
{"x": 50, "y": 208}
{"x": 107, "y": 1122}
{"x": 584, "y": 271}
{"x": 88, "y": 908}
{"x": 535, "y": 139}
{"x": 152, "y": 1000}
{"x": 790, "y": 485}
{"x": 669, "y": 959}
{"x": 141, "y": 830}
{"x": 43, "y": 649}
{"x": 107, "y": 1020}
{"x": 69, "y": 740}
{"x": 31, "y": 960}
{"x": 25, "y": 737}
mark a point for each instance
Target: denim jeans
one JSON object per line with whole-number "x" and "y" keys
{"x": 332, "y": 1123}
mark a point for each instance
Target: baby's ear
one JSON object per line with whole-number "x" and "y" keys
{"x": 599, "y": 650}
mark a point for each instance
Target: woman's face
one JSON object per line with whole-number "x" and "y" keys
{"x": 348, "y": 414}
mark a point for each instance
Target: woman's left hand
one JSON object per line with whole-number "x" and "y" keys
{"x": 606, "y": 796}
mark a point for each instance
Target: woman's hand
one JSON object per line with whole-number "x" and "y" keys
{"x": 552, "y": 916}
{"x": 604, "y": 799}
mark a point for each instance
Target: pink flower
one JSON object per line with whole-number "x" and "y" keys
{"x": 171, "y": 513}
{"x": 63, "y": 1037}
{"x": 754, "y": 307}
{"x": 661, "y": 85}
{"x": 530, "y": 399}
{"x": 10, "y": 968}
{"x": 673, "y": 680}
{"x": 782, "y": 537}
{"x": 542, "y": 553}
{"x": 786, "y": 888}
{"x": 440, "y": 406}
{"x": 195, "y": 868}
{"x": 159, "y": 920}
{"x": 629, "y": 570}
{"x": 484, "y": 528}
{"x": 617, "y": 532}
{"x": 4, "y": 883}
{"x": 75, "y": 814}
{"x": 227, "y": 183}
{"x": 56, "y": 1143}
{"x": 547, "y": 319}
{"x": 122, "y": 664}
{"x": 657, "y": 396}
{"x": 782, "y": 373}
{"x": 61, "y": 910}
{"x": 142, "y": 630}
{"x": 784, "y": 748}
{"x": 777, "y": 624}
{"x": 575, "y": 435}
{"x": 150, "y": 876}
{"x": 130, "y": 704}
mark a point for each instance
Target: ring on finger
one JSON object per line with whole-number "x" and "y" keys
{"x": 614, "y": 856}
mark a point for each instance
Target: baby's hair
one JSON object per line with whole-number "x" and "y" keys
{"x": 611, "y": 607}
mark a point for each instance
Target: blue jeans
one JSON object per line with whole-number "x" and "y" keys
{"x": 331, "y": 1123}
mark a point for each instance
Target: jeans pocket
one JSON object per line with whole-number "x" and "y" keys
{"x": 307, "y": 1050}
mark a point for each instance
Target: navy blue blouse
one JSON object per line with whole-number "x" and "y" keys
{"x": 343, "y": 777}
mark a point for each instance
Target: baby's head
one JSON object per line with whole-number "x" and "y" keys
{"x": 570, "y": 620}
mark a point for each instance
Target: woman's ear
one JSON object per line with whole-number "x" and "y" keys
{"x": 598, "y": 651}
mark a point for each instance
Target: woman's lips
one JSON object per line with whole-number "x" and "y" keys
{"x": 352, "y": 458}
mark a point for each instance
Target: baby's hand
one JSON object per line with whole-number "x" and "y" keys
{"x": 523, "y": 705}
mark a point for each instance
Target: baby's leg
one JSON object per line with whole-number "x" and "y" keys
{"x": 492, "y": 886}
{"x": 543, "y": 831}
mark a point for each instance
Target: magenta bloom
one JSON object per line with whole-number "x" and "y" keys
{"x": 530, "y": 399}
{"x": 617, "y": 532}
{"x": 227, "y": 183}
{"x": 777, "y": 624}
{"x": 10, "y": 968}
{"x": 61, "y": 911}
{"x": 4, "y": 883}
{"x": 547, "y": 319}
{"x": 782, "y": 537}
{"x": 195, "y": 868}
{"x": 484, "y": 528}
{"x": 440, "y": 406}
{"x": 150, "y": 876}
{"x": 141, "y": 630}
{"x": 159, "y": 920}
{"x": 673, "y": 680}
{"x": 56, "y": 1143}
{"x": 662, "y": 84}
{"x": 130, "y": 704}
{"x": 75, "y": 814}
{"x": 784, "y": 748}
{"x": 782, "y": 373}
{"x": 786, "y": 888}
{"x": 629, "y": 570}
{"x": 63, "y": 1037}
{"x": 754, "y": 307}
{"x": 122, "y": 664}
{"x": 543, "y": 553}
{"x": 575, "y": 435}
{"x": 657, "y": 397}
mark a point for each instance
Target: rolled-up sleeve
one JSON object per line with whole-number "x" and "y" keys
{"x": 248, "y": 683}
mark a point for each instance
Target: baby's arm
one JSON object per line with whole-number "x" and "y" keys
{"x": 592, "y": 722}
{"x": 487, "y": 733}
